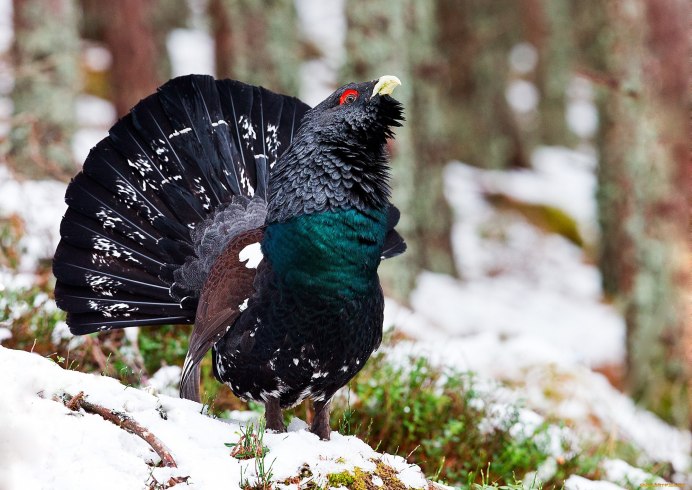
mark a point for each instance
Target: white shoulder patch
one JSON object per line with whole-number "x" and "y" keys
{"x": 252, "y": 254}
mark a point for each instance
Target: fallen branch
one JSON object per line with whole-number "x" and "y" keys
{"x": 76, "y": 402}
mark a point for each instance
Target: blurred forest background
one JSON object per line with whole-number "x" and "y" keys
{"x": 484, "y": 82}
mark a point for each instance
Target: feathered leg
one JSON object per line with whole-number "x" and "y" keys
{"x": 320, "y": 423}
{"x": 275, "y": 419}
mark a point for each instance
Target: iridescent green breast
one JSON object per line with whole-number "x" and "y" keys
{"x": 333, "y": 254}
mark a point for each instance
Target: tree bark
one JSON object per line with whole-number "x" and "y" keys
{"x": 45, "y": 52}
{"x": 547, "y": 27}
{"x": 223, "y": 39}
{"x": 474, "y": 40}
{"x": 257, "y": 42}
{"x": 129, "y": 36}
{"x": 644, "y": 181}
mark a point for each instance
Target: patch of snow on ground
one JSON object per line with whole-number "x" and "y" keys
{"x": 84, "y": 140}
{"x": 519, "y": 283}
{"x": 165, "y": 380}
{"x": 41, "y": 440}
{"x": 575, "y": 482}
{"x": 94, "y": 111}
{"x": 517, "y": 310}
{"x": 40, "y": 205}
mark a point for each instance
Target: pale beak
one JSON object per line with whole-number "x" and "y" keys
{"x": 386, "y": 85}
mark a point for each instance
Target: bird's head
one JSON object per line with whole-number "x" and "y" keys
{"x": 338, "y": 158}
{"x": 357, "y": 114}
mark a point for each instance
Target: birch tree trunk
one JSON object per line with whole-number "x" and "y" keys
{"x": 644, "y": 182}
{"x": 45, "y": 52}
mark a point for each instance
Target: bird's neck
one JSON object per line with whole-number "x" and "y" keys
{"x": 313, "y": 177}
{"x": 332, "y": 254}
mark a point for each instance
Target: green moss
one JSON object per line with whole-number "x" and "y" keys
{"x": 343, "y": 479}
{"x": 389, "y": 477}
{"x": 356, "y": 480}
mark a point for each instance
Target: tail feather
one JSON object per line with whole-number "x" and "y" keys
{"x": 165, "y": 170}
{"x": 193, "y": 106}
{"x": 263, "y": 128}
{"x": 89, "y": 235}
{"x": 134, "y": 191}
{"x": 103, "y": 277}
{"x": 88, "y": 198}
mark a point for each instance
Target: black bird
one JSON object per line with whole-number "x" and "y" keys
{"x": 248, "y": 213}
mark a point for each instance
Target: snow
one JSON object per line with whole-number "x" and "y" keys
{"x": 94, "y": 111}
{"x": 522, "y": 96}
{"x": 523, "y": 58}
{"x": 41, "y": 440}
{"x": 626, "y": 475}
{"x": 165, "y": 380}
{"x": 575, "y": 482}
{"x": 6, "y": 27}
{"x": 582, "y": 113}
{"x": 522, "y": 289}
{"x": 529, "y": 310}
{"x": 40, "y": 205}
{"x": 190, "y": 51}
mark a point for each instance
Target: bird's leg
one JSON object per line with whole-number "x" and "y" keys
{"x": 320, "y": 422}
{"x": 272, "y": 413}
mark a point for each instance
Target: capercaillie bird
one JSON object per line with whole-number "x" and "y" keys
{"x": 260, "y": 220}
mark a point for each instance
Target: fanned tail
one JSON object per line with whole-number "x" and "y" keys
{"x": 182, "y": 156}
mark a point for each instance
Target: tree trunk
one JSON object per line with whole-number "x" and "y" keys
{"x": 257, "y": 42}
{"x": 46, "y": 51}
{"x": 475, "y": 39}
{"x": 129, "y": 36}
{"x": 547, "y": 27}
{"x": 399, "y": 38}
{"x": 643, "y": 187}
{"x": 223, "y": 40}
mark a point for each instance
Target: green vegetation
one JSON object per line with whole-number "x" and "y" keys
{"x": 251, "y": 446}
{"x": 439, "y": 420}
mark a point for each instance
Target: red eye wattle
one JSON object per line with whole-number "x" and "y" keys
{"x": 348, "y": 96}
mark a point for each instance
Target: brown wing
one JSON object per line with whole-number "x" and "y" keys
{"x": 226, "y": 290}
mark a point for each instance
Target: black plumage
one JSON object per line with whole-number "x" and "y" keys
{"x": 248, "y": 213}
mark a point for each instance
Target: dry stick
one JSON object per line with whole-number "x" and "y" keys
{"x": 76, "y": 402}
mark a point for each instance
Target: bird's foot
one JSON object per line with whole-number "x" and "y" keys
{"x": 273, "y": 415}
{"x": 320, "y": 423}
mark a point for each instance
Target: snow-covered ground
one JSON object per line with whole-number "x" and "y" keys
{"x": 45, "y": 445}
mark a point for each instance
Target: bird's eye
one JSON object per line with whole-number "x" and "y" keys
{"x": 348, "y": 97}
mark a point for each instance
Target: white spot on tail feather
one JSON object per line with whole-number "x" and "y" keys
{"x": 248, "y": 131}
{"x": 179, "y": 132}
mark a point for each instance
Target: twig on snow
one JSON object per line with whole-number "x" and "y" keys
{"x": 124, "y": 422}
